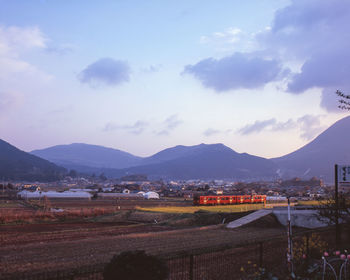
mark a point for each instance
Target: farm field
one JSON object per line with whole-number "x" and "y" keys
{"x": 193, "y": 209}
{"x": 99, "y": 229}
{"x": 124, "y": 204}
{"x": 38, "y": 247}
{"x": 311, "y": 202}
{"x": 88, "y": 233}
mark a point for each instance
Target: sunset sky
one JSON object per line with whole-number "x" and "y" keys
{"x": 258, "y": 76}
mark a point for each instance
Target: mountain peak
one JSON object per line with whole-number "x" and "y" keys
{"x": 318, "y": 157}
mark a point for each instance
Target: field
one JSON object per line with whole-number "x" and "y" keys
{"x": 193, "y": 209}
{"x": 89, "y": 233}
{"x": 42, "y": 247}
{"x": 311, "y": 202}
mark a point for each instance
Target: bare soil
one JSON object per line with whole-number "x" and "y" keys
{"x": 49, "y": 247}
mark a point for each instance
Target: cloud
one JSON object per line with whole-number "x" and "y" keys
{"x": 236, "y": 71}
{"x": 315, "y": 33}
{"x": 308, "y": 125}
{"x": 14, "y": 42}
{"x": 62, "y": 49}
{"x": 230, "y": 35}
{"x": 169, "y": 124}
{"x": 151, "y": 69}
{"x": 281, "y": 126}
{"x": 105, "y": 71}
{"x": 137, "y": 128}
{"x": 211, "y": 131}
{"x": 172, "y": 122}
{"x": 231, "y": 39}
{"x": 257, "y": 126}
{"x": 311, "y": 35}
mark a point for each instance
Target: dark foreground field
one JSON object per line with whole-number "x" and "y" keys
{"x": 62, "y": 246}
{"x": 207, "y": 252}
{"x": 92, "y": 240}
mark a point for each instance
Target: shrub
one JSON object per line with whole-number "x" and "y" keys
{"x": 135, "y": 265}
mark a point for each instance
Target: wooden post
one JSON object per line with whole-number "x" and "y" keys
{"x": 290, "y": 241}
{"x": 337, "y": 230}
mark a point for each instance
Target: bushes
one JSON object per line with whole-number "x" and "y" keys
{"x": 135, "y": 265}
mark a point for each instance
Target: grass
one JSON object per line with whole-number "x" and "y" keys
{"x": 192, "y": 209}
{"x": 311, "y": 202}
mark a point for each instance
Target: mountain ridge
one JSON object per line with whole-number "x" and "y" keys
{"x": 19, "y": 165}
{"x": 316, "y": 158}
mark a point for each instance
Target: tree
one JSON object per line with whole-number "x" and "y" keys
{"x": 344, "y": 100}
{"x": 135, "y": 265}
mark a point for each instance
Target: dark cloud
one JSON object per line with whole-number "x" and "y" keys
{"x": 106, "y": 71}
{"x": 236, "y": 71}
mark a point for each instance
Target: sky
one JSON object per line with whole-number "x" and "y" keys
{"x": 258, "y": 76}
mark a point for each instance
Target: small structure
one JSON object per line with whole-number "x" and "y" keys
{"x": 52, "y": 194}
{"x": 151, "y": 195}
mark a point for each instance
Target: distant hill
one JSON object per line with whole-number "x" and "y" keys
{"x": 215, "y": 161}
{"x": 318, "y": 157}
{"x": 87, "y": 158}
{"x": 21, "y": 166}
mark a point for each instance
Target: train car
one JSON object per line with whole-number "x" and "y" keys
{"x": 227, "y": 199}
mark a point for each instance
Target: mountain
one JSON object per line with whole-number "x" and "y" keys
{"x": 318, "y": 157}
{"x": 21, "y": 166}
{"x": 215, "y": 161}
{"x": 202, "y": 161}
{"x": 87, "y": 158}
{"x": 175, "y": 153}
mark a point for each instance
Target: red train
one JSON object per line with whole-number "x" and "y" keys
{"x": 227, "y": 199}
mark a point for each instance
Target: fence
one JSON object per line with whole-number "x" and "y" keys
{"x": 225, "y": 262}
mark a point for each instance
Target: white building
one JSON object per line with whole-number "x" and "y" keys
{"x": 151, "y": 195}
{"x": 52, "y": 194}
